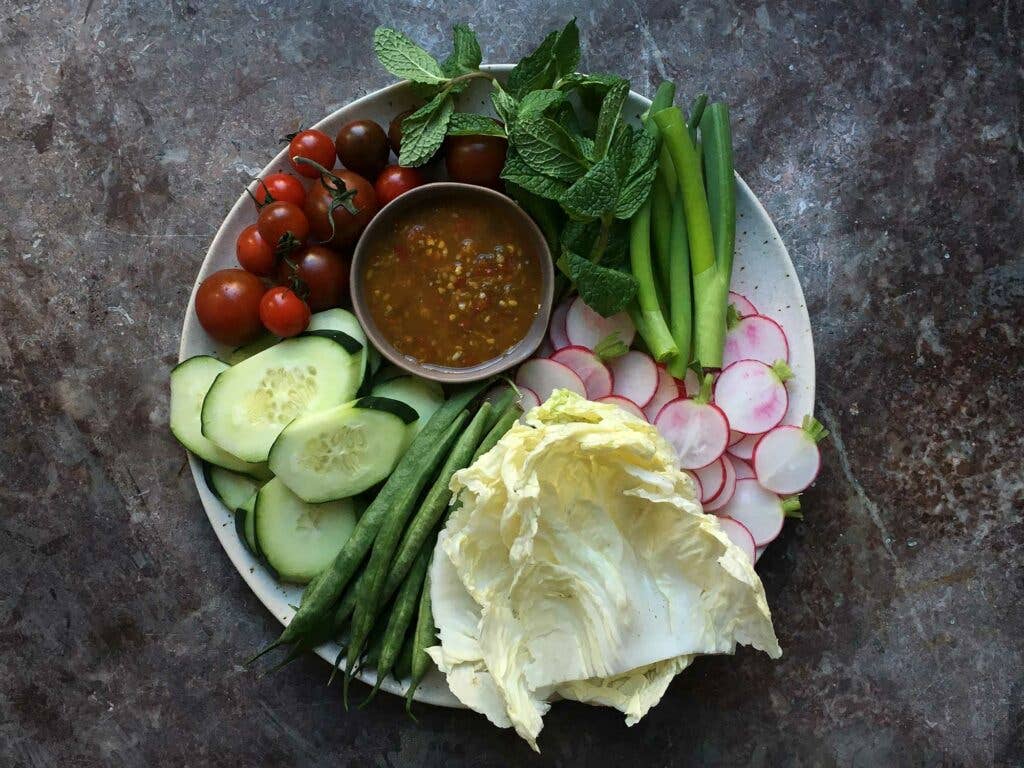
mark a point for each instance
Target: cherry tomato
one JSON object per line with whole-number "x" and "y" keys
{"x": 395, "y": 130}
{"x": 363, "y": 147}
{"x": 476, "y": 159}
{"x": 280, "y": 219}
{"x": 347, "y": 226}
{"x": 313, "y": 145}
{"x": 228, "y": 306}
{"x": 253, "y": 252}
{"x": 283, "y": 312}
{"x": 394, "y": 181}
{"x": 325, "y": 273}
{"x": 279, "y": 186}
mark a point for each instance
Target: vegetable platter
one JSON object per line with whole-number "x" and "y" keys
{"x": 764, "y": 283}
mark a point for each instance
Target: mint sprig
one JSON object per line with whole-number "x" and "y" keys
{"x": 403, "y": 58}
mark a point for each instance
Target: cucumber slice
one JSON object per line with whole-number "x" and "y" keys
{"x": 299, "y": 540}
{"x": 424, "y": 396}
{"x": 244, "y": 352}
{"x": 245, "y": 522}
{"x": 190, "y": 381}
{"x": 344, "y": 321}
{"x": 231, "y": 488}
{"x": 340, "y": 452}
{"x": 250, "y": 403}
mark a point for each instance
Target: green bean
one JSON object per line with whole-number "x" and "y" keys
{"x": 657, "y": 337}
{"x": 424, "y": 636}
{"x": 406, "y": 604}
{"x": 383, "y": 562}
{"x": 414, "y": 469}
{"x": 403, "y": 666}
{"x": 506, "y": 419}
{"x": 499, "y": 406}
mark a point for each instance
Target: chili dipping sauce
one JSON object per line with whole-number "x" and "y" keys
{"x": 454, "y": 284}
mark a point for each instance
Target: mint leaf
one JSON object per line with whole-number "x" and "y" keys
{"x": 636, "y": 182}
{"x": 505, "y": 105}
{"x": 546, "y": 213}
{"x": 423, "y": 131}
{"x": 466, "y": 55}
{"x": 468, "y": 124}
{"x": 547, "y": 148}
{"x": 557, "y": 55}
{"x": 403, "y": 58}
{"x": 519, "y": 173}
{"x": 538, "y": 102}
{"x": 594, "y": 194}
{"x": 580, "y": 236}
{"x": 579, "y": 80}
{"x": 603, "y": 289}
{"x": 610, "y": 347}
{"x": 609, "y": 116}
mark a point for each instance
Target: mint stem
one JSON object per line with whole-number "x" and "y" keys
{"x": 597, "y": 252}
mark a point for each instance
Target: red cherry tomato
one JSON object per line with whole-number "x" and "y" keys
{"x": 228, "y": 306}
{"x": 312, "y": 145}
{"x": 253, "y": 252}
{"x": 279, "y": 186}
{"x": 324, "y": 272}
{"x": 394, "y": 181}
{"x": 283, "y": 312}
{"x": 281, "y": 219}
{"x": 347, "y": 226}
{"x": 475, "y": 159}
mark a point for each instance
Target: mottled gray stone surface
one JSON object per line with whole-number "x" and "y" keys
{"x": 885, "y": 143}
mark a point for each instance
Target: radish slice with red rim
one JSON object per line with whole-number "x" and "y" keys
{"x": 762, "y": 511}
{"x": 697, "y": 430}
{"x": 712, "y": 481}
{"x": 735, "y": 437}
{"x": 545, "y": 349}
{"x": 585, "y": 327}
{"x": 635, "y": 377}
{"x": 744, "y": 307}
{"x": 625, "y": 404}
{"x": 755, "y": 338}
{"x": 597, "y": 379}
{"x": 724, "y": 496}
{"x": 744, "y": 449}
{"x": 556, "y": 328}
{"x": 666, "y": 392}
{"x": 527, "y": 398}
{"x": 545, "y": 376}
{"x": 739, "y": 535}
{"x": 741, "y": 468}
{"x": 786, "y": 459}
{"x": 753, "y": 394}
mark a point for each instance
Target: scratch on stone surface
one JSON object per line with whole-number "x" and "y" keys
{"x": 650, "y": 44}
{"x": 829, "y": 420}
{"x": 290, "y": 733}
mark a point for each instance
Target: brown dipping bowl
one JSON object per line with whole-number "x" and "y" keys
{"x": 386, "y": 221}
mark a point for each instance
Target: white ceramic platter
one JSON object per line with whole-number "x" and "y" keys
{"x": 763, "y": 272}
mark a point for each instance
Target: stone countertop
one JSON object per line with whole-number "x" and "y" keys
{"x": 886, "y": 145}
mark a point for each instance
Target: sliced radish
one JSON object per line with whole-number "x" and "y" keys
{"x": 739, "y": 535}
{"x": 735, "y": 437}
{"x": 545, "y": 349}
{"x": 758, "y": 552}
{"x": 545, "y": 376}
{"x": 666, "y": 392}
{"x": 744, "y": 307}
{"x": 762, "y": 511}
{"x": 595, "y": 375}
{"x": 585, "y": 327}
{"x": 698, "y": 430}
{"x": 691, "y": 384}
{"x": 635, "y": 377}
{"x": 755, "y": 338}
{"x": 753, "y": 394}
{"x": 527, "y": 398}
{"x": 786, "y": 459}
{"x": 625, "y": 404}
{"x": 712, "y": 481}
{"x": 556, "y": 328}
{"x": 740, "y": 467}
{"x": 744, "y": 449}
{"x": 728, "y": 487}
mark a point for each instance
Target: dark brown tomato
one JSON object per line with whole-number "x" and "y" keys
{"x": 363, "y": 147}
{"x": 476, "y": 159}
{"x": 324, "y": 272}
{"x": 228, "y": 306}
{"x": 395, "y": 130}
{"x": 347, "y": 226}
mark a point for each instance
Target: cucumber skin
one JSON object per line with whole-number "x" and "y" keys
{"x": 397, "y": 408}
